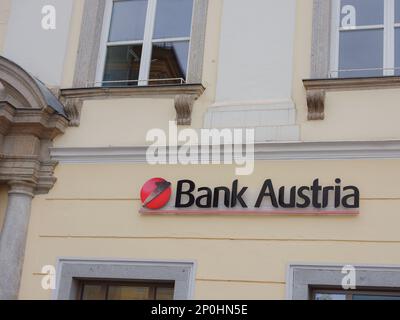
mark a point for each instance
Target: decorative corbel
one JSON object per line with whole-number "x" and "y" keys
{"x": 316, "y": 104}
{"x": 184, "y": 106}
{"x": 73, "y": 108}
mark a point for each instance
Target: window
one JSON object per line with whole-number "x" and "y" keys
{"x": 328, "y": 294}
{"x": 145, "y": 42}
{"x": 365, "y": 38}
{"x": 123, "y": 279}
{"x": 324, "y": 282}
{"x": 95, "y": 290}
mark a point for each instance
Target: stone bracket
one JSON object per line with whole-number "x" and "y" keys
{"x": 316, "y": 104}
{"x": 73, "y": 109}
{"x": 316, "y": 90}
{"x": 184, "y": 106}
{"x": 184, "y": 97}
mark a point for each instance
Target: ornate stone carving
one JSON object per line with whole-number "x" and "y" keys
{"x": 30, "y": 118}
{"x": 73, "y": 109}
{"x": 184, "y": 96}
{"x": 317, "y": 88}
{"x": 316, "y": 104}
{"x": 184, "y": 106}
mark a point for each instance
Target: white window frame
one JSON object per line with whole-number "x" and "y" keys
{"x": 388, "y": 27}
{"x": 147, "y": 43}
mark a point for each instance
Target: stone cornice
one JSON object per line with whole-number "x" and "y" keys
{"x": 41, "y": 123}
{"x": 331, "y": 150}
{"x": 352, "y": 83}
{"x": 184, "y": 96}
{"x": 316, "y": 89}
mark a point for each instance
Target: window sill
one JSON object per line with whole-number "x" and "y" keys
{"x": 184, "y": 95}
{"x": 317, "y": 88}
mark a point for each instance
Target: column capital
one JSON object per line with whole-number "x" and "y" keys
{"x": 22, "y": 187}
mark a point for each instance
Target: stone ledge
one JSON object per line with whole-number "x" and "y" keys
{"x": 184, "y": 96}
{"x": 270, "y": 151}
{"x": 316, "y": 90}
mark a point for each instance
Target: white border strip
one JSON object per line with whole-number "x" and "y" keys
{"x": 335, "y": 150}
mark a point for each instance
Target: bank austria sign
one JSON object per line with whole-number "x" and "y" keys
{"x": 269, "y": 199}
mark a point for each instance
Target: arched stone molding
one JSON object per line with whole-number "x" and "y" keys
{"x": 30, "y": 118}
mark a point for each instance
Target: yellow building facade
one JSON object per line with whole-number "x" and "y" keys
{"x": 92, "y": 213}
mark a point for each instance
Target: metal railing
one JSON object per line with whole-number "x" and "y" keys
{"x": 101, "y": 83}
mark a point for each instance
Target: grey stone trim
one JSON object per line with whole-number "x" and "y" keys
{"x": 70, "y": 271}
{"x": 343, "y": 84}
{"x": 89, "y": 43}
{"x": 331, "y": 150}
{"x": 303, "y": 277}
{"x": 316, "y": 90}
{"x": 155, "y": 91}
{"x": 197, "y": 44}
{"x": 321, "y": 38}
{"x": 185, "y": 95}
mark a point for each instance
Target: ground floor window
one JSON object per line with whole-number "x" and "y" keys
{"x": 137, "y": 290}
{"x": 330, "y": 294}
{"x": 86, "y": 279}
{"x": 343, "y": 282}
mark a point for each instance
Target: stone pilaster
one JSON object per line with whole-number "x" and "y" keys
{"x": 30, "y": 118}
{"x": 13, "y": 237}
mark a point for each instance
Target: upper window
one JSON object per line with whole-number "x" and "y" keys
{"x": 145, "y": 42}
{"x": 365, "y": 38}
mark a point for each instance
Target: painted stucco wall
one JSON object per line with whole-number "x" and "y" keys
{"x": 350, "y": 115}
{"x": 40, "y": 51}
{"x": 92, "y": 212}
{"x": 262, "y": 56}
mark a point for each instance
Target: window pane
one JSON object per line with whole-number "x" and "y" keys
{"x": 374, "y": 297}
{"x": 397, "y": 51}
{"x": 173, "y": 18}
{"x": 122, "y": 63}
{"x": 329, "y": 296}
{"x": 397, "y": 11}
{"x": 94, "y": 292}
{"x": 165, "y": 294}
{"x": 128, "y": 293}
{"x": 169, "y": 61}
{"x": 362, "y": 49}
{"x": 368, "y": 12}
{"x": 128, "y": 20}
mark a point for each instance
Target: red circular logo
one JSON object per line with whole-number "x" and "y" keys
{"x": 155, "y": 193}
